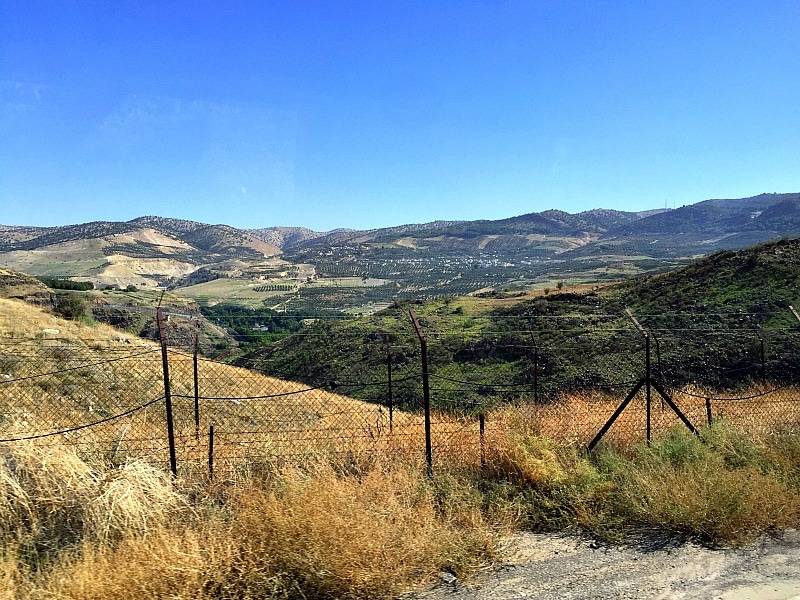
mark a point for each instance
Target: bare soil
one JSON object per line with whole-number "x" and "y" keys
{"x": 545, "y": 567}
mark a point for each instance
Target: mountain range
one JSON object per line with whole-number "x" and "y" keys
{"x": 156, "y": 251}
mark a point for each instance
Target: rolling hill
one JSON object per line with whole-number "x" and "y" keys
{"x": 144, "y": 252}
{"x": 351, "y": 270}
{"x": 691, "y": 230}
{"x": 723, "y": 320}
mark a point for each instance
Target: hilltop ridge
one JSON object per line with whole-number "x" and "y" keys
{"x": 345, "y": 269}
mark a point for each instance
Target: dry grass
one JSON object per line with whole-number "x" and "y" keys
{"x": 317, "y": 498}
{"x": 50, "y": 499}
{"x": 576, "y": 417}
{"x": 19, "y": 320}
{"x": 301, "y": 533}
{"x": 75, "y": 530}
{"x": 726, "y": 488}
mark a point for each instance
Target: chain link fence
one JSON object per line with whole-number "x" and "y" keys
{"x": 357, "y": 395}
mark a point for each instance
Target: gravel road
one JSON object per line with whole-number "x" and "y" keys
{"x": 547, "y": 567}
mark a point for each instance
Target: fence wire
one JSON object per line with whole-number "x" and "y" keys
{"x": 108, "y": 397}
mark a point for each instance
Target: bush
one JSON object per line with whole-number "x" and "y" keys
{"x": 73, "y": 306}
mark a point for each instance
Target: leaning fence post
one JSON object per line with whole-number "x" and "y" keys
{"x": 708, "y": 412}
{"x": 173, "y": 463}
{"x": 426, "y": 395}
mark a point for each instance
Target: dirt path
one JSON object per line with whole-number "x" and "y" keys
{"x": 554, "y": 567}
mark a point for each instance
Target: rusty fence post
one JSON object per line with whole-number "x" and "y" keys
{"x": 648, "y": 382}
{"x": 211, "y": 452}
{"x": 482, "y": 429}
{"x": 173, "y": 462}
{"x": 196, "y": 392}
{"x": 426, "y": 394}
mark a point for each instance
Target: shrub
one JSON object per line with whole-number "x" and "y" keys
{"x": 73, "y": 306}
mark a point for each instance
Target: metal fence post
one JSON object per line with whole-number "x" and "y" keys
{"x": 211, "y": 453}
{"x": 426, "y": 395}
{"x": 173, "y": 462}
{"x": 535, "y": 368}
{"x": 196, "y": 392}
{"x": 649, "y": 381}
{"x": 389, "y": 380}
{"x": 482, "y": 429}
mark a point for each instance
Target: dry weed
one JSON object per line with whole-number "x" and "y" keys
{"x": 50, "y": 498}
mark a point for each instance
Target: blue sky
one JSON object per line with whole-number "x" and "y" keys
{"x": 371, "y": 114}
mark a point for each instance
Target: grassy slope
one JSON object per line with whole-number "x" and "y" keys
{"x": 746, "y": 293}
{"x": 84, "y": 387}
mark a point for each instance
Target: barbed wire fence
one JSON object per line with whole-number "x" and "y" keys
{"x": 429, "y": 390}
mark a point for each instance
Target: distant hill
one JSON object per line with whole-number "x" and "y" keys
{"x": 285, "y": 237}
{"x": 148, "y": 251}
{"x": 692, "y": 230}
{"x": 440, "y": 257}
{"x": 702, "y": 228}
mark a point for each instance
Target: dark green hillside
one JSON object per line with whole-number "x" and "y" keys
{"x": 761, "y": 282}
{"x": 716, "y": 216}
{"x": 708, "y": 320}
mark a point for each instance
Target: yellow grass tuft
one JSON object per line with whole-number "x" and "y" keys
{"x": 51, "y": 499}
{"x": 310, "y": 535}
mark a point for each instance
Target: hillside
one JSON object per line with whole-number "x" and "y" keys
{"x": 19, "y": 286}
{"x": 702, "y": 228}
{"x": 708, "y": 318}
{"x": 145, "y": 252}
{"x": 359, "y": 272}
{"x": 285, "y": 237}
{"x": 760, "y": 281}
{"x": 52, "y": 368}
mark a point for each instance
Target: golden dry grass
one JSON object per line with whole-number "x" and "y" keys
{"x": 82, "y": 374}
{"x": 72, "y": 532}
{"x": 317, "y": 498}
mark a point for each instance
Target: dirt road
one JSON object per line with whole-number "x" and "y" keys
{"x": 554, "y": 567}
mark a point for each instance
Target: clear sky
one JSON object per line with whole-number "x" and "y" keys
{"x": 370, "y": 114}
